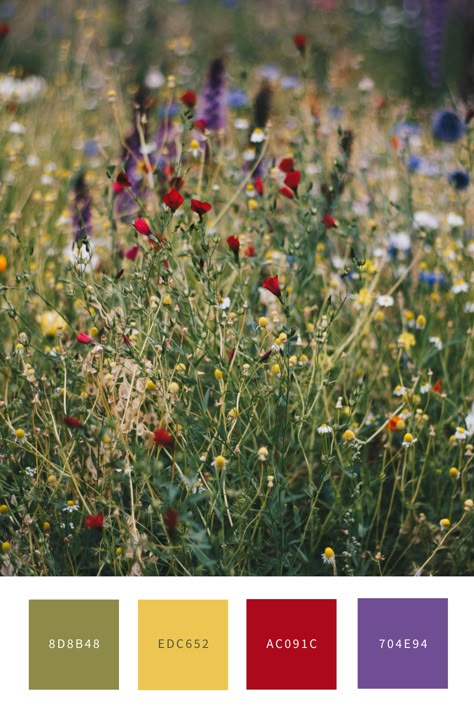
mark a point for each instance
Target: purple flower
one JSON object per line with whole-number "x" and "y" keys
{"x": 434, "y": 19}
{"x": 212, "y": 106}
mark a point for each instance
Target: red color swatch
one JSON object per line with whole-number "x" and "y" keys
{"x": 291, "y": 644}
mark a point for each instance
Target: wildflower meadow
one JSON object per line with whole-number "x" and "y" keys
{"x": 236, "y": 288}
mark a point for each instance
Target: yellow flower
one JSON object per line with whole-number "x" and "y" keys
{"x": 406, "y": 340}
{"x": 3, "y": 509}
{"x": 329, "y": 556}
{"x": 3, "y": 263}
{"x": 20, "y": 433}
{"x": 219, "y": 462}
{"x": 5, "y": 547}
{"x": 218, "y": 374}
{"x": 173, "y": 388}
{"x": 420, "y": 321}
{"x": 167, "y": 300}
{"x": 348, "y": 436}
{"x": 50, "y": 322}
{"x": 364, "y": 297}
{"x": 445, "y": 523}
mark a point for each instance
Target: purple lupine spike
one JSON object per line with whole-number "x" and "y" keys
{"x": 131, "y": 158}
{"x": 435, "y": 13}
{"x": 212, "y": 105}
{"x": 81, "y": 211}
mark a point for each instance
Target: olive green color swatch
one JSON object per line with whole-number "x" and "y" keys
{"x": 74, "y": 644}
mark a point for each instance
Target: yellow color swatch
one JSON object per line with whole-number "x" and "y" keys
{"x": 182, "y": 644}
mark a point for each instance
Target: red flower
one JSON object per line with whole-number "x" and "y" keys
{"x": 96, "y": 521}
{"x": 72, "y": 422}
{"x": 272, "y": 285}
{"x": 292, "y": 179}
{"x": 121, "y": 182}
{"x": 329, "y": 221}
{"x": 300, "y": 43}
{"x": 249, "y": 251}
{"x": 142, "y": 226}
{"x": 392, "y": 424}
{"x": 266, "y": 356}
{"x": 173, "y": 199}
{"x": 132, "y": 253}
{"x": 4, "y": 29}
{"x": 437, "y": 386}
{"x": 231, "y": 354}
{"x": 200, "y": 207}
{"x": 286, "y": 165}
{"x": 171, "y": 519}
{"x": 258, "y": 185}
{"x": 469, "y": 115}
{"x": 84, "y": 338}
{"x": 188, "y": 99}
{"x": 234, "y": 244}
{"x": 287, "y": 192}
{"x": 163, "y": 438}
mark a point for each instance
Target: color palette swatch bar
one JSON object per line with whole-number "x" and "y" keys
{"x": 74, "y": 644}
{"x": 291, "y": 644}
{"x": 182, "y": 644}
{"x": 403, "y": 643}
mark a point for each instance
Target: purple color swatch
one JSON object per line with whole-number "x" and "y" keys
{"x": 403, "y": 643}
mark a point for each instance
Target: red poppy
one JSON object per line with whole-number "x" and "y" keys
{"x": 4, "y": 29}
{"x": 200, "y": 207}
{"x": 287, "y": 192}
{"x": 173, "y": 199}
{"x": 249, "y": 251}
{"x": 163, "y": 438}
{"x": 437, "y": 386}
{"x": 286, "y": 165}
{"x": 127, "y": 340}
{"x": 292, "y": 179}
{"x": 200, "y": 124}
{"x": 258, "y": 185}
{"x": 171, "y": 519}
{"x": 142, "y": 226}
{"x": 300, "y": 42}
{"x": 96, "y": 522}
{"x": 272, "y": 285}
{"x": 266, "y": 356}
{"x": 329, "y": 221}
{"x": 188, "y": 99}
{"x": 84, "y": 338}
{"x": 132, "y": 253}
{"x": 231, "y": 354}
{"x": 121, "y": 182}
{"x": 72, "y": 422}
{"x": 234, "y": 244}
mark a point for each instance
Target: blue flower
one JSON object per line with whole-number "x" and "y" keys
{"x": 169, "y": 110}
{"x": 413, "y": 163}
{"x": 405, "y": 129}
{"x": 447, "y": 126}
{"x": 335, "y": 113}
{"x": 431, "y": 278}
{"x": 459, "y": 179}
{"x": 237, "y": 98}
